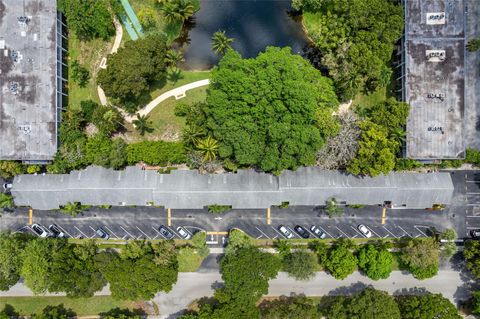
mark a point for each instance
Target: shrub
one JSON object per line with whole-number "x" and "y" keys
{"x": 9, "y": 169}
{"x": 156, "y": 153}
{"x": 80, "y": 74}
{"x": 32, "y": 169}
{"x": 218, "y": 209}
{"x": 182, "y": 109}
{"x": 88, "y": 108}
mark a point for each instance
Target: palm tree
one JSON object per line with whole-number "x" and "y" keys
{"x": 72, "y": 209}
{"x": 208, "y": 147}
{"x": 220, "y": 42}
{"x": 6, "y": 201}
{"x": 173, "y": 58}
{"x": 178, "y": 10}
{"x": 142, "y": 124}
{"x": 332, "y": 208}
{"x": 398, "y": 134}
{"x": 191, "y": 134}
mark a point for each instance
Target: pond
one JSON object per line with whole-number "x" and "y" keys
{"x": 254, "y": 24}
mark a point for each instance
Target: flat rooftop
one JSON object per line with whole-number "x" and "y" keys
{"x": 435, "y": 78}
{"x": 28, "y": 64}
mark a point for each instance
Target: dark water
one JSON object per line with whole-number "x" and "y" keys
{"x": 254, "y": 24}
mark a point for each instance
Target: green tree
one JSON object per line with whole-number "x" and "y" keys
{"x": 192, "y": 134}
{"x": 72, "y": 209}
{"x": 143, "y": 124}
{"x": 298, "y": 307}
{"x": 376, "y": 261}
{"x": 133, "y": 68}
{"x": 370, "y": 303}
{"x": 332, "y": 208}
{"x": 341, "y": 262}
{"x": 6, "y": 201}
{"x": 426, "y": 307}
{"x": 237, "y": 239}
{"x": 421, "y": 255}
{"x": 88, "y": 107}
{"x": 88, "y": 19}
{"x": 146, "y": 16}
{"x": 80, "y": 74}
{"x": 448, "y": 247}
{"x": 208, "y": 147}
{"x": 173, "y": 58}
{"x": 475, "y": 302}
{"x": 10, "y": 169}
{"x": 262, "y": 111}
{"x": 178, "y": 10}
{"x": 471, "y": 253}
{"x": 374, "y": 155}
{"x": 118, "y": 313}
{"x": 300, "y": 265}
{"x": 107, "y": 119}
{"x": 199, "y": 242}
{"x": 101, "y": 150}
{"x": 473, "y": 45}
{"x": 55, "y": 312}
{"x": 11, "y": 247}
{"x": 221, "y": 43}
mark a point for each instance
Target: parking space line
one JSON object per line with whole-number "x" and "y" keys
{"x": 81, "y": 232}
{"x": 269, "y": 221}
{"x": 66, "y": 232}
{"x": 472, "y": 227}
{"x": 415, "y": 226}
{"x": 112, "y": 231}
{"x": 356, "y": 231}
{"x": 404, "y": 231}
{"x": 378, "y": 236}
{"x": 342, "y": 232}
{"x": 143, "y": 233}
{"x": 278, "y": 232}
{"x": 158, "y": 233}
{"x": 128, "y": 232}
{"x": 389, "y": 232}
{"x": 325, "y": 231}
{"x": 261, "y": 232}
{"x": 21, "y": 229}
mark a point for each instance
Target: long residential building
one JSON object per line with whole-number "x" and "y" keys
{"x": 188, "y": 189}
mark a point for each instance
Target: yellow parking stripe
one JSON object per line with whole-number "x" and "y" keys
{"x": 269, "y": 221}
{"x": 169, "y": 216}
{"x": 217, "y": 233}
{"x": 384, "y": 212}
{"x": 30, "y": 216}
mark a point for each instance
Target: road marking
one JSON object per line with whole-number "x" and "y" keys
{"x": 143, "y": 233}
{"x": 342, "y": 232}
{"x": 472, "y": 181}
{"x": 389, "y": 232}
{"x": 473, "y": 216}
{"x": 473, "y": 193}
{"x": 384, "y": 211}
{"x": 66, "y": 232}
{"x": 158, "y": 233}
{"x": 277, "y": 232}
{"x": 325, "y": 231}
{"x": 113, "y": 232}
{"x": 356, "y": 231}
{"x": 374, "y": 232}
{"x": 128, "y": 232}
{"x": 473, "y": 227}
{"x": 418, "y": 236}
{"x": 21, "y": 229}
{"x": 261, "y": 232}
{"x": 169, "y": 212}
{"x": 415, "y": 226}
{"x": 30, "y": 216}
{"x": 217, "y": 233}
{"x": 404, "y": 231}
{"x": 269, "y": 221}
{"x": 94, "y": 232}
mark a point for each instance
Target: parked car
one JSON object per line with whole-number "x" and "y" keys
{"x": 165, "y": 232}
{"x": 364, "y": 230}
{"x": 320, "y": 234}
{"x": 475, "y": 233}
{"x": 284, "y": 230}
{"x": 56, "y": 232}
{"x": 40, "y": 230}
{"x": 102, "y": 233}
{"x": 7, "y": 186}
{"x": 183, "y": 233}
{"x": 302, "y": 231}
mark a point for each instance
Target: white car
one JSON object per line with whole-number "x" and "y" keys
{"x": 183, "y": 233}
{"x": 40, "y": 230}
{"x": 320, "y": 234}
{"x": 285, "y": 231}
{"x": 364, "y": 230}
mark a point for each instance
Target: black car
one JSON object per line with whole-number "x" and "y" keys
{"x": 475, "y": 233}
{"x": 302, "y": 231}
{"x": 102, "y": 233}
{"x": 165, "y": 232}
{"x": 55, "y": 230}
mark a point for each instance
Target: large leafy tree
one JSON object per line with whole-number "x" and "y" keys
{"x": 471, "y": 252}
{"x": 356, "y": 38}
{"x": 421, "y": 255}
{"x": 130, "y": 71}
{"x": 11, "y": 247}
{"x": 262, "y": 111}
{"x": 376, "y": 261}
{"x": 298, "y": 307}
{"x": 300, "y": 264}
{"x": 426, "y": 307}
{"x": 341, "y": 261}
{"x": 107, "y": 119}
{"x": 88, "y": 19}
{"x": 369, "y": 304}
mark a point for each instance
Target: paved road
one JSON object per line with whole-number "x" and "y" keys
{"x": 190, "y": 286}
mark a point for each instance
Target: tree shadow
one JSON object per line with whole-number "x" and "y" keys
{"x": 118, "y": 312}
{"x": 353, "y": 289}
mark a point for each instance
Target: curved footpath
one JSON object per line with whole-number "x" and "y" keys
{"x": 190, "y": 286}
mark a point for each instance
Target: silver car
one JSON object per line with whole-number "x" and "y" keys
{"x": 320, "y": 234}
{"x": 364, "y": 230}
{"x": 40, "y": 230}
{"x": 183, "y": 233}
{"x": 285, "y": 231}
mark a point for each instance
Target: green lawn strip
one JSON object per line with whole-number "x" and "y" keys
{"x": 188, "y": 260}
{"x": 89, "y": 54}
{"x": 368, "y": 100}
{"x": 81, "y": 306}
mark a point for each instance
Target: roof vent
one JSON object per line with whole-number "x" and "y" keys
{"x": 13, "y": 87}
{"x": 23, "y": 20}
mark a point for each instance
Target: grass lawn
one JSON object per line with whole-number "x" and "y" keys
{"x": 188, "y": 260}
{"x": 89, "y": 54}
{"x": 167, "y": 126}
{"x": 82, "y": 306}
{"x": 371, "y": 99}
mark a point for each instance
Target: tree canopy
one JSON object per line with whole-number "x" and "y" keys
{"x": 263, "y": 111}
{"x": 471, "y": 252}
{"x": 341, "y": 261}
{"x": 427, "y": 306}
{"x": 356, "y": 39}
{"x": 421, "y": 256}
{"x": 11, "y": 246}
{"x": 300, "y": 264}
{"x": 375, "y": 261}
{"x": 298, "y": 307}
